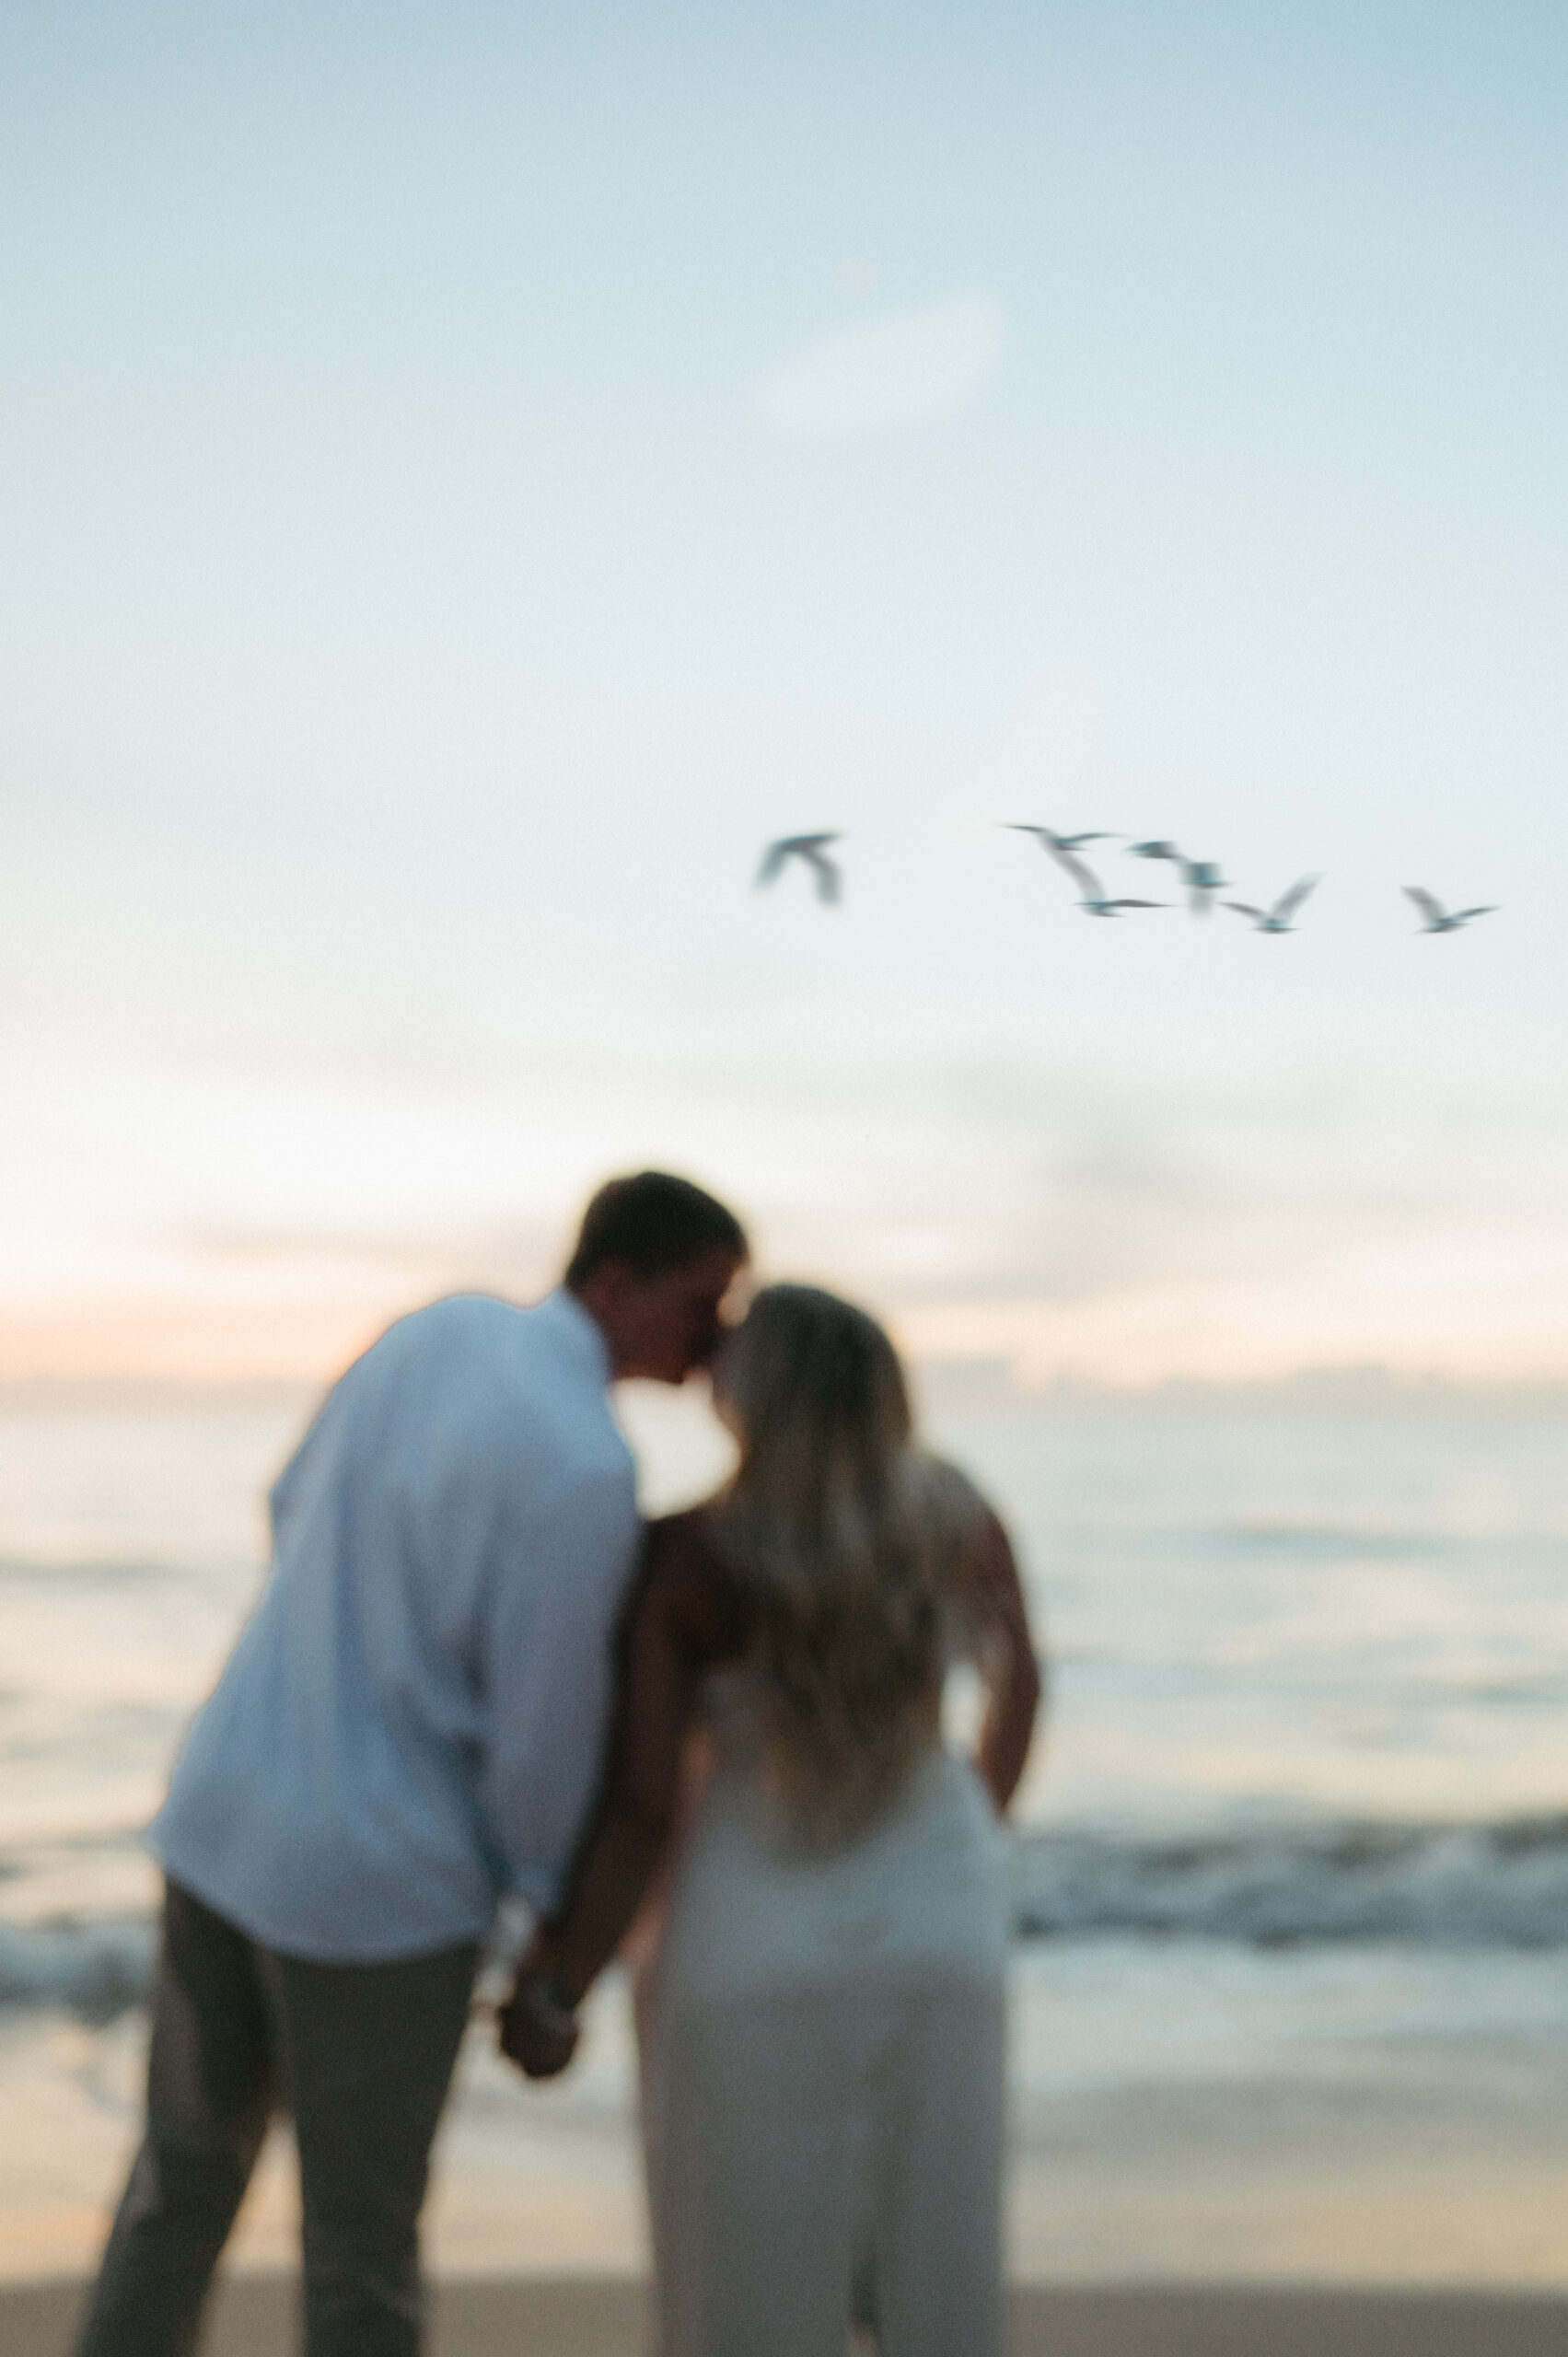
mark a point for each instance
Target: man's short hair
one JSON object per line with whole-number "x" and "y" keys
{"x": 654, "y": 1223}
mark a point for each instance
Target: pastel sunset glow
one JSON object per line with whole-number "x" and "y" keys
{"x": 471, "y": 478}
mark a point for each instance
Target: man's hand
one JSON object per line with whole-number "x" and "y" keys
{"x": 539, "y": 2029}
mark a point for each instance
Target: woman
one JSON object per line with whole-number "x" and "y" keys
{"x": 820, "y": 2025}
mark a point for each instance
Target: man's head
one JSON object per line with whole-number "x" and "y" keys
{"x": 655, "y": 1257}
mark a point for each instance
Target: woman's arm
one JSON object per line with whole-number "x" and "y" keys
{"x": 995, "y": 1597}
{"x": 676, "y": 1628}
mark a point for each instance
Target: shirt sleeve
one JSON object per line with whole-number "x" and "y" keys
{"x": 683, "y": 1617}
{"x": 545, "y": 1662}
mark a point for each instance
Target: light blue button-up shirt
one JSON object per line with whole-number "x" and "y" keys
{"x": 410, "y": 1724}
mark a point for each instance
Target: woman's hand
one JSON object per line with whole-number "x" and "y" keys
{"x": 538, "y": 2026}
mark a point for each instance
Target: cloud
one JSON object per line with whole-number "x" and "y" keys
{"x": 901, "y": 369}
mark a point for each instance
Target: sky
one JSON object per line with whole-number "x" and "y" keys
{"x": 471, "y": 475}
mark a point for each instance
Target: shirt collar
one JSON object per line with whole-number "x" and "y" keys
{"x": 579, "y": 1332}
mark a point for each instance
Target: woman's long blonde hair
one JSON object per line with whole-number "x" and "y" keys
{"x": 843, "y": 1538}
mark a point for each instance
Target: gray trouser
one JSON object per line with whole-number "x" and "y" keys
{"x": 361, "y": 2054}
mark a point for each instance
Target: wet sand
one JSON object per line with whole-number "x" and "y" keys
{"x": 604, "y": 2316}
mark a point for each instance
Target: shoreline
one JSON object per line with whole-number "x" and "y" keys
{"x": 1290, "y": 2123}
{"x": 604, "y": 2315}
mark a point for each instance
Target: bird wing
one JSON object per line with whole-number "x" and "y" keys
{"x": 1464, "y": 915}
{"x": 1073, "y": 842}
{"x": 1285, "y": 906}
{"x": 773, "y": 859}
{"x": 1134, "y": 904}
{"x": 828, "y": 882}
{"x": 1430, "y": 910}
{"x": 1082, "y": 875}
{"x": 1258, "y": 916}
{"x": 1154, "y": 850}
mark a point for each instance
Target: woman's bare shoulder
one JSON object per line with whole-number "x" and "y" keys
{"x": 974, "y": 1554}
{"x": 950, "y": 1499}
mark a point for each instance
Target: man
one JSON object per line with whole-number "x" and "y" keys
{"x": 408, "y": 1728}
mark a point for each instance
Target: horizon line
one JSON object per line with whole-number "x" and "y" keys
{"x": 946, "y": 1380}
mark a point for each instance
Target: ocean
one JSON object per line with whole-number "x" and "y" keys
{"x": 1299, "y": 1814}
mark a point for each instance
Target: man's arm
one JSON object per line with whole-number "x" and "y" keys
{"x": 674, "y": 1632}
{"x": 543, "y": 1663}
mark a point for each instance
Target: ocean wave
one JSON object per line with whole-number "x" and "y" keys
{"x": 95, "y": 1970}
{"x": 1499, "y": 1885}
{"x": 28, "y": 1572}
{"x": 1503, "y": 1885}
{"x": 1328, "y": 1540}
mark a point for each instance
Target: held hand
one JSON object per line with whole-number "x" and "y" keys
{"x": 537, "y": 2029}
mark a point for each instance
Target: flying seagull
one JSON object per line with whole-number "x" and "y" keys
{"x": 1201, "y": 877}
{"x": 1436, "y": 917}
{"x": 1056, "y": 843}
{"x": 1278, "y": 918}
{"x": 809, "y": 848}
{"x": 1062, "y": 849}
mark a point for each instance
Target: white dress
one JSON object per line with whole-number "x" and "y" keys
{"x": 822, "y": 2074}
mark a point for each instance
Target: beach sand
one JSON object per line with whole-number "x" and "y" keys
{"x": 1406, "y": 2199}
{"x": 604, "y": 2316}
